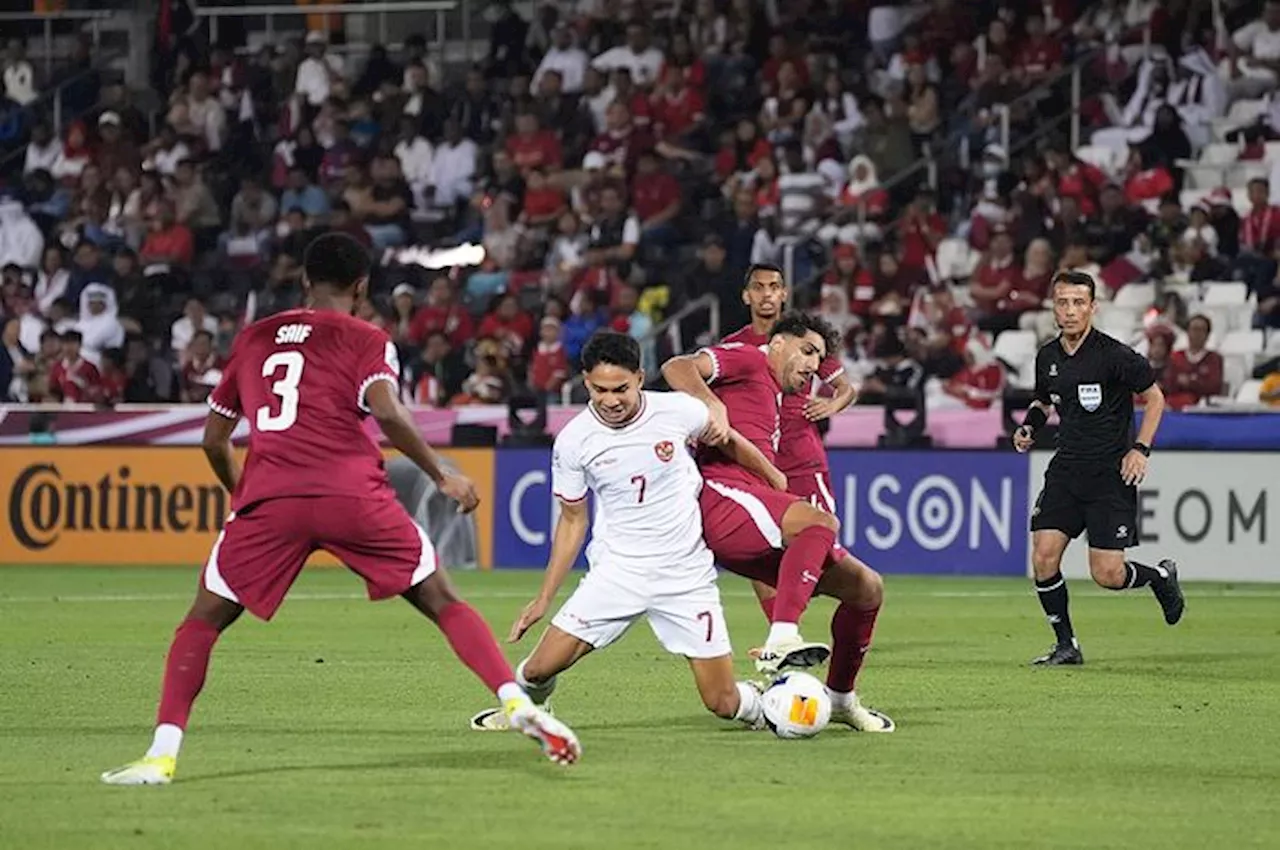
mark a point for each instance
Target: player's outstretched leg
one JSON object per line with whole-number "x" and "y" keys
{"x": 723, "y": 696}
{"x": 809, "y": 534}
{"x": 184, "y": 674}
{"x": 860, "y": 590}
{"x": 473, "y": 642}
{"x": 1047, "y": 546}
{"x": 556, "y": 652}
{"x": 1112, "y": 571}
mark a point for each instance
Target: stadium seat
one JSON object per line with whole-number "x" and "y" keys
{"x": 1224, "y": 293}
{"x": 1016, "y": 348}
{"x": 1247, "y": 111}
{"x": 1100, "y": 156}
{"x": 1248, "y": 343}
{"x": 1248, "y": 392}
{"x": 1219, "y": 153}
{"x": 1273, "y": 341}
{"x": 955, "y": 260}
{"x": 1235, "y": 371}
{"x": 1273, "y": 152}
{"x": 1190, "y": 197}
{"x": 1119, "y": 322}
{"x": 1240, "y": 201}
{"x": 1239, "y": 174}
{"x": 1135, "y": 296}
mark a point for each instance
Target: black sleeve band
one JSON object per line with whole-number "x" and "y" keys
{"x": 1035, "y": 418}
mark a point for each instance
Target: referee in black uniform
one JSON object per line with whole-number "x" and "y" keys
{"x": 1091, "y": 484}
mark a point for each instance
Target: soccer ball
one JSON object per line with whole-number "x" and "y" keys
{"x": 796, "y": 705}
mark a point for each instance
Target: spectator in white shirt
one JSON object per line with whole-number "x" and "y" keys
{"x": 564, "y": 56}
{"x": 318, "y": 72}
{"x": 415, "y": 155}
{"x": 1256, "y": 51}
{"x": 802, "y": 193}
{"x": 42, "y": 150}
{"x": 19, "y": 76}
{"x": 165, "y": 152}
{"x": 453, "y": 167}
{"x": 199, "y": 115}
{"x": 639, "y": 57}
{"x": 21, "y": 241}
{"x": 194, "y": 318}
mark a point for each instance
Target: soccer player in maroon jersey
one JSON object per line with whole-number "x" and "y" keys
{"x": 803, "y": 459}
{"x": 313, "y": 480}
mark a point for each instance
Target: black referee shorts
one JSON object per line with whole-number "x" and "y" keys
{"x": 1093, "y": 498}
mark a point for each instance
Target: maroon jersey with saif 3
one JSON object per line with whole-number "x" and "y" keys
{"x": 313, "y": 478}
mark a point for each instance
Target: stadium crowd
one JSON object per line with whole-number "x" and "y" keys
{"x": 619, "y": 160}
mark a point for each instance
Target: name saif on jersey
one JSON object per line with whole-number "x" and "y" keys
{"x": 292, "y": 334}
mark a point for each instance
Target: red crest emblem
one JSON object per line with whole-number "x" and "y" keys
{"x": 665, "y": 451}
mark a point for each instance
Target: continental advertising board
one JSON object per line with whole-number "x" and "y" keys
{"x": 138, "y": 505}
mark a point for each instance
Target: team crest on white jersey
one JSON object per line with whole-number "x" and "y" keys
{"x": 665, "y": 451}
{"x": 1090, "y": 396}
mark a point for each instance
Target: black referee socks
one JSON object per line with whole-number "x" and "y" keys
{"x": 1055, "y": 602}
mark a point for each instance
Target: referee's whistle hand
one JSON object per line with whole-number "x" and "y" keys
{"x": 1023, "y": 439}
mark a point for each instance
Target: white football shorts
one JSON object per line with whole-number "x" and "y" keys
{"x": 604, "y": 605}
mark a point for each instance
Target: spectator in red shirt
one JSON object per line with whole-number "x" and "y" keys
{"x": 995, "y": 285}
{"x": 1037, "y": 273}
{"x": 848, "y": 274}
{"x": 440, "y": 313}
{"x": 74, "y": 379}
{"x": 1144, "y": 184}
{"x": 681, "y": 57}
{"x": 1076, "y": 178}
{"x": 921, "y": 230}
{"x": 678, "y": 110}
{"x": 980, "y": 382}
{"x": 655, "y": 197}
{"x": 543, "y": 203}
{"x": 169, "y": 241}
{"x": 114, "y": 380}
{"x": 1195, "y": 374}
{"x": 744, "y": 152}
{"x": 622, "y": 142}
{"x": 780, "y": 55}
{"x": 532, "y": 147}
{"x": 1260, "y": 230}
{"x": 508, "y": 324}
{"x": 201, "y": 368}
{"x": 1040, "y": 56}
{"x": 549, "y": 368}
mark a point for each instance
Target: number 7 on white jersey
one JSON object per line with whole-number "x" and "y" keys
{"x": 286, "y": 388}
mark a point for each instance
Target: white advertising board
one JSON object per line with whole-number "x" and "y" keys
{"x": 1217, "y": 513}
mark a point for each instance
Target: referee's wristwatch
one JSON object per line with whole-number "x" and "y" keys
{"x": 1142, "y": 448}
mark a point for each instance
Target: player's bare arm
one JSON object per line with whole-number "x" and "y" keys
{"x": 824, "y": 408}
{"x": 689, "y": 373}
{"x": 1133, "y": 469}
{"x": 566, "y": 542}
{"x": 397, "y": 423}
{"x": 217, "y": 448}
{"x": 744, "y": 453}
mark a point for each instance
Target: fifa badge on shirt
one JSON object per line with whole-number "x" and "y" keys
{"x": 665, "y": 451}
{"x": 1090, "y": 396}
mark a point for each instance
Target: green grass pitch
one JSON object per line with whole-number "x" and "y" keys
{"x": 343, "y": 725}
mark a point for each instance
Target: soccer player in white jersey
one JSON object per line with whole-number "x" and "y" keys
{"x": 647, "y": 556}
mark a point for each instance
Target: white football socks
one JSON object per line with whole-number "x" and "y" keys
{"x": 167, "y": 741}
{"x": 841, "y": 700}
{"x": 539, "y": 692}
{"x": 779, "y": 632}
{"x": 749, "y": 705}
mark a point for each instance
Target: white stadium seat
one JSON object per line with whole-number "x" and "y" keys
{"x": 1273, "y": 152}
{"x": 1240, "y": 200}
{"x": 1273, "y": 342}
{"x": 1224, "y": 293}
{"x": 1190, "y": 197}
{"x": 955, "y": 260}
{"x": 1239, "y": 175}
{"x": 1100, "y": 156}
{"x": 1135, "y": 296}
{"x": 1219, "y": 153}
{"x": 1016, "y": 347}
{"x": 1235, "y": 371}
{"x": 1247, "y": 111}
{"x": 1249, "y": 391}
{"x": 1246, "y": 343}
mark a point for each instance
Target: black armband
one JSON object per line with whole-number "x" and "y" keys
{"x": 1035, "y": 418}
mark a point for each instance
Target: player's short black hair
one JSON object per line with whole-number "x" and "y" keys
{"x": 335, "y": 259}
{"x": 613, "y": 348}
{"x": 798, "y": 324}
{"x": 1070, "y": 278}
{"x": 762, "y": 267}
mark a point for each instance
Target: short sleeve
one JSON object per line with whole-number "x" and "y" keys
{"x": 693, "y": 414}
{"x": 631, "y": 231}
{"x": 378, "y": 361}
{"x": 1042, "y": 378}
{"x": 568, "y": 478}
{"x": 1134, "y": 372}
{"x": 830, "y": 369}
{"x": 731, "y": 361}
{"x": 225, "y": 398}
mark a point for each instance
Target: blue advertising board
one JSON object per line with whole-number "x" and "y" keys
{"x": 939, "y": 512}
